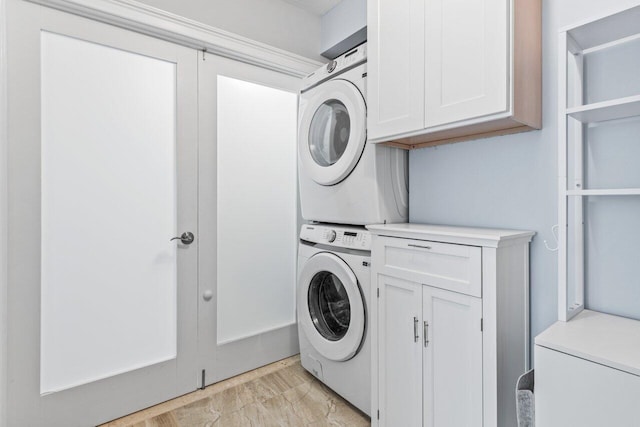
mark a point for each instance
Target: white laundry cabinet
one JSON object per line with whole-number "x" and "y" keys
{"x": 443, "y": 71}
{"x": 449, "y": 324}
{"x": 588, "y": 372}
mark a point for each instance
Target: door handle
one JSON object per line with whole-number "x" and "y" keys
{"x": 426, "y": 334}
{"x": 186, "y": 238}
{"x": 418, "y": 246}
{"x": 416, "y": 337}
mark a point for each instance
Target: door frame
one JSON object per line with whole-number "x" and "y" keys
{"x": 4, "y": 192}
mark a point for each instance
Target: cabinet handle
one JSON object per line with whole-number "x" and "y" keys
{"x": 418, "y": 246}
{"x": 415, "y": 330}
{"x": 426, "y": 334}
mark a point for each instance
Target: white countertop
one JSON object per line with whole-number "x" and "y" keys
{"x": 601, "y": 338}
{"x": 492, "y": 237}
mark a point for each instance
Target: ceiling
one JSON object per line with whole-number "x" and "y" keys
{"x": 318, "y": 7}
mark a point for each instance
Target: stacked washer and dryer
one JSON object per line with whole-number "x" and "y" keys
{"x": 345, "y": 184}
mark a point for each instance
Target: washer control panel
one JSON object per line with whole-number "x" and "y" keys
{"x": 341, "y": 236}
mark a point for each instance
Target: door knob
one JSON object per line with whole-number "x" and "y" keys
{"x": 187, "y": 238}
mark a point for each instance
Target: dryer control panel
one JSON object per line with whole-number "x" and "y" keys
{"x": 340, "y": 236}
{"x": 346, "y": 61}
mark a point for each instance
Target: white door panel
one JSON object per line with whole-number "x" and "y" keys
{"x": 87, "y": 176}
{"x": 248, "y": 216}
{"x": 103, "y": 145}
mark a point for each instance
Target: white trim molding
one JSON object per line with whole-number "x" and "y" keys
{"x": 4, "y": 386}
{"x": 164, "y": 25}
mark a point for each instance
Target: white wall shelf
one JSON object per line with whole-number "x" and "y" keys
{"x": 588, "y": 364}
{"x": 620, "y": 108}
{"x": 605, "y": 192}
{"x": 574, "y": 43}
{"x": 608, "y": 29}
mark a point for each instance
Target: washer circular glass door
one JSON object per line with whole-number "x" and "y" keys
{"x": 332, "y": 131}
{"x": 330, "y": 307}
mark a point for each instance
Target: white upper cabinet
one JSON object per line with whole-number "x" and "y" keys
{"x": 443, "y": 71}
{"x": 396, "y": 66}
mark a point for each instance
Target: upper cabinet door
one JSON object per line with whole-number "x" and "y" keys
{"x": 395, "y": 67}
{"x": 467, "y": 68}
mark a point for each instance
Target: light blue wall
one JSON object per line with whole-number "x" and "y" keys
{"x": 511, "y": 181}
{"x": 612, "y": 160}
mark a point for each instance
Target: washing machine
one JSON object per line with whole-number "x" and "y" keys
{"x": 343, "y": 179}
{"x": 334, "y": 281}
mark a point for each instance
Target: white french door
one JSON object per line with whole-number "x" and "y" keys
{"x": 103, "y": 173}
{"x": 248, "y": 216}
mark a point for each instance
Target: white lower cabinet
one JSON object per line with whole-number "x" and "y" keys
{"x": 430, "y": 348}
{"x": 571, "y": 391}
{"x": 588, "y": 372}
{"x": 440, "y": 357}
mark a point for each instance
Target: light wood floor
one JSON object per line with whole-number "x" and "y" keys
{"x": 280, "y": 394}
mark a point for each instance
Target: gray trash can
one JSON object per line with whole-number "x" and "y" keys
{"x": 525, "y": 401}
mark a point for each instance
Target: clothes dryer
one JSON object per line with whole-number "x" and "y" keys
{"x": 343, "y": 179}
{"x": 334, "y": 283}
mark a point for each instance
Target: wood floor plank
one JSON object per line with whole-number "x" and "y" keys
{"x": 282, "y": 394}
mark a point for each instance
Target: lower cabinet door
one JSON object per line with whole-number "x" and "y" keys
{"x": 452, "y": 359}
{"x": 399, "y": 352}
{"x": 575, "y": 392}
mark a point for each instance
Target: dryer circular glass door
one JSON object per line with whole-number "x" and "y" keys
{"x": 330, "y": 307}
{"x": 332, "y": 131}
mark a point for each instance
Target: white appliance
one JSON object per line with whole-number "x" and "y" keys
{"x": 332, "y": 300}
{"x": 342, "y": 178}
